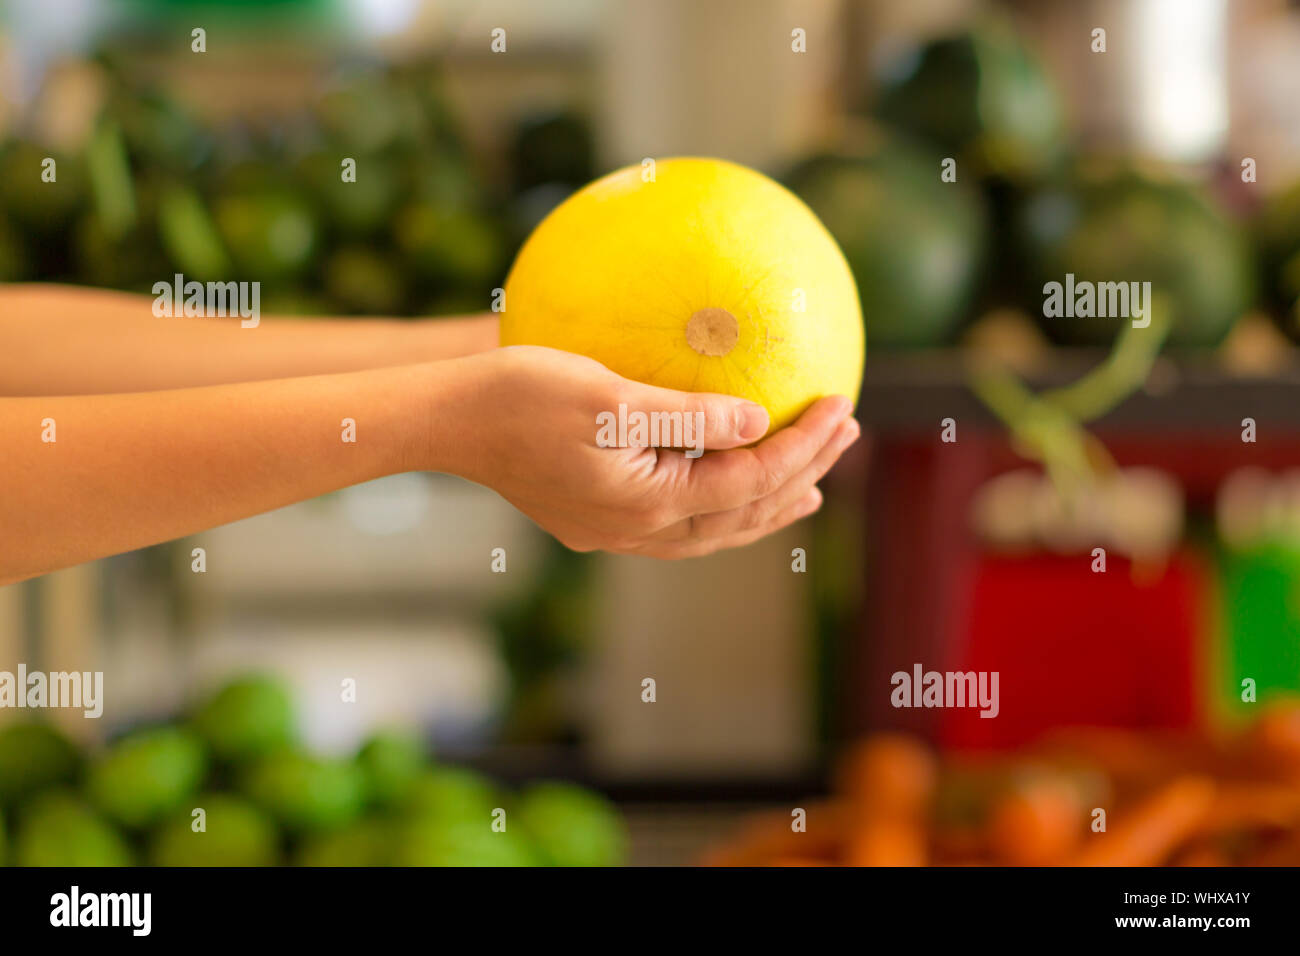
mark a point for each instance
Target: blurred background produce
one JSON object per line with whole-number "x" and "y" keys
{"x": 214, "y": 788}
{"x": 963, "y": 153}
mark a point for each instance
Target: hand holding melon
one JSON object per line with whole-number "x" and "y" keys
{"x": 525, "y": 418}
{"x": 707, "y": 291}
{"x": 693, "y": 274}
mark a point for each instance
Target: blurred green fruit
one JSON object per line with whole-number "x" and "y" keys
{"x": 371, "y": 111}
{"x": 34, "y": 757}
{"x": 147, "y": 775}
{"x": 235, "y": 833}
{"x": 158, "y": 132}
{"x": 364, "y": 843}
{"x": 391, "y": 760}
{"x": 1111, "y": 222}
{"x": 306, "y": 793}
{"x": 915, "y": 244}
{"x": 572, "y": 826}
{"x": 441, "y": 178}
{"x": 59, "y": 830}
{"x": 460, "y": 843}
{"x": 358, "y": 279}
{"x": 981, "y": 96}
{"x": 355, "y": 209}
{"x": 452, "y": 244}
{"x": 246, "y": 718}
{"x": 452, "y": 793}
{"x": 270, "y": 234}
{"x": 1278, "y": 232}
{"x": 33, "y": 203}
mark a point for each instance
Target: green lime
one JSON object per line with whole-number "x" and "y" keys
{"x": 233, "y": 833}
{"x": 461, "y": 843}
{"x": 364, "y": 843}
{"x": 32, "y": 758}
{"x": 572, "y": 826}
{"x": 60, "y": 830}
{"x": 451, "y": 793}
{"x": 306, "y": 793}
{"x": 246, "y": 718}
{"x": 146, "y": 775}
{"x": 391, "y": 761}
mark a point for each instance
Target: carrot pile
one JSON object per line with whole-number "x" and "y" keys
{"x": 1082, "y": 798}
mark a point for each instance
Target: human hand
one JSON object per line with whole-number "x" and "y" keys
{"x": 523, "y": 421}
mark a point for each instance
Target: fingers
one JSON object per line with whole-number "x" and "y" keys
{"x": 760, "y": 512}
{"x": 730, "y": 479}
{"x": 696, "y": 420}
{"x": 697, "y": 547}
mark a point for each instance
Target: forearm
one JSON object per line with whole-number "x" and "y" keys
{"x": 125, "y": 471}
{"x": 64, "y": 340}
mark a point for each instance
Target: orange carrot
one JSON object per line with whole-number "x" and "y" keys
{"x": 1147, "y": 834}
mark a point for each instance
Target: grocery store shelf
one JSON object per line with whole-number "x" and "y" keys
{"x": 912, "y": 391}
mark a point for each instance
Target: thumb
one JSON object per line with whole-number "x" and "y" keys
{"x": 697, "y": 420}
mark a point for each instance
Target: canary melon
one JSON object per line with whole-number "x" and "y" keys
{"x": 693, "y": 274}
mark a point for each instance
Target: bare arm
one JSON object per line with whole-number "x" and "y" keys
{"x": 123, "y": 471}
{"x": 85, "y": 476}
{"x": 64, "y": 340}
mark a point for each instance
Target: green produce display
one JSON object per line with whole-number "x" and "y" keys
{"x": 247, "y": 718}
{"x": 460, "y": 843}
{"x": 981, "y": 96}
{"x": 306, "y": 793}
{"x": 365, "y": 202}
{"x": 59, "y": 829}
{"x": 1111, "y": 222}
{"x": 34, "y": 204}
{"x": 1278, "y": 233}
{"x": 234, "y": 833}
{"x": 364, "y": 281}
{"x": 34, "y": 757}
{"x": 368, "y": 842}
{"x": 271, "y": 235}
{"x": 391, "y": 762}
{"x": 146, "y": 775}
{"x": 268, "y": 802}
{"x": 915, "y": 244}
{"x": 452, "y": 793}
{"x": 572, "y": 826}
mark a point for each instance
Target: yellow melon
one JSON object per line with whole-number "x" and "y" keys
{"x": 693, "y": 274}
